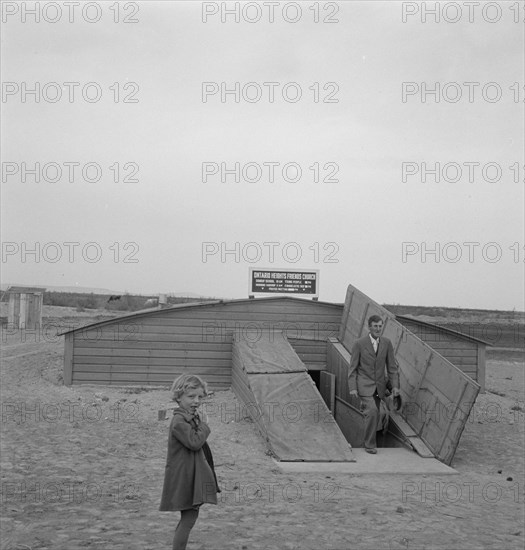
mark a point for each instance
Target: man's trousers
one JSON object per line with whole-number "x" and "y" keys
{"x": 370, "y": 404}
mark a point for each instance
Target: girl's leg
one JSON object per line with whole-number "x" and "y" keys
{"x": 186, "y": 523}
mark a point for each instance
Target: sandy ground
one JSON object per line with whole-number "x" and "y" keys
{"x": 82, "y": 467}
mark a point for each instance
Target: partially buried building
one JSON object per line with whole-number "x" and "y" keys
{"x": 287, "y": 350}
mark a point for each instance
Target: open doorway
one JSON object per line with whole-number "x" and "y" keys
{"x": 315, "y": 375}
{"x": 350, "y": 418}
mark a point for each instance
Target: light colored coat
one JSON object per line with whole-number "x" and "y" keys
{"x": 367, "y": 370}
{"x": 188, "y": 478}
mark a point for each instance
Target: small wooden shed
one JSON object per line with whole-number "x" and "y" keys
{"x": 25, "y": 306}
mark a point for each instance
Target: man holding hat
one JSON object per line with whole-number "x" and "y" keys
{"x": 366, "y": 377}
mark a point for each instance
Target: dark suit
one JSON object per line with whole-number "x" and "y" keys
{"x": 367, "y": 377}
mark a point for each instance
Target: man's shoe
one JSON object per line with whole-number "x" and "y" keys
{"x": 371, "y": 451}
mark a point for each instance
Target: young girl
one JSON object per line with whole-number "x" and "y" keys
{"x": 189, "y": 479}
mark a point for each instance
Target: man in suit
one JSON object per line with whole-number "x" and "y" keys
{"x": 366, "y": 377}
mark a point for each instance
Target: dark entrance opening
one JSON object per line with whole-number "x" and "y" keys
{"x": 353, "y": 420}
{"x": 315, "y": 375}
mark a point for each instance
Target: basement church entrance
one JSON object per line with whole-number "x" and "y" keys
{"x": 388, "y": 435}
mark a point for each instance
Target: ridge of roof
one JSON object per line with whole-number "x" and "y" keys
{"x": 188, "y": 305}
{"x": 444, "y": 329}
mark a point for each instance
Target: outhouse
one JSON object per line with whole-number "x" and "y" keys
{"x": 25, "y": 306}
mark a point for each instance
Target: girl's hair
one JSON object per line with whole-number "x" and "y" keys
{"x": 186, "y": 382}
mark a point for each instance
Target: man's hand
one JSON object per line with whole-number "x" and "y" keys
{"x": 353, "y": 393}
{"x": 396, "y": 392}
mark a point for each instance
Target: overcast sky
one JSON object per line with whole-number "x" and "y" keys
{"x": 361, "y": 223}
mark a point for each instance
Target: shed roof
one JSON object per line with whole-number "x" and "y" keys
{"x": 210, "y": 303}
{"x": 26, "y": 289}
{"x": 191, "y": 305}
{"x": 457, "y": 334}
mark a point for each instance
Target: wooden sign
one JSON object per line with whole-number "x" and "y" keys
{"x": 284, "y": 281}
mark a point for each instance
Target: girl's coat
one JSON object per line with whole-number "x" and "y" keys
{"x": 189, "y": 480}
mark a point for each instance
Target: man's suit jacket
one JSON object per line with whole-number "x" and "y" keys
{"x": 367, "y": 370}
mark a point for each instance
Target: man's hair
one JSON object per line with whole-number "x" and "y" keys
{"x": 187, "y": 382}
{"x": 374, "y": 319}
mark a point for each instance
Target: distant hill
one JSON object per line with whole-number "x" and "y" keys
{"x": 104, "y": 291}
{"x": 80, "y": 289}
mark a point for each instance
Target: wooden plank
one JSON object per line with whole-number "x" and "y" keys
{"x": 481, "y": 366}
{"x": 346, "y": 313}
{"x": 197, "y": 334}
{"x": 68, "y": 360}
{"x": 144, "y": 377}
{"x": 141, "y": 340}
{"x": 440, "y": 334}
{"x": 394, "y": 332}
{"x": 226, "y": 371}
{"x": 363, "y": 325}
{"x": 314, "y": 346}
{"x": 150, "y": 353}
{"x": 102, "y": 346}
{"x": 315, "y": 366}
{"x": 128, "y": 384}
{"x": 456, "y": 351}
{"x": 223, "y": 358}
{"x": 327, "y": 390}
{"x": 249, "y": 311}
{"x": 338, "y": 363}
{"x": 308, "y": 345}
{"x": 410, "y": 436}
{"x": 312, "y": 358}
{"x": 402, "y": 424}
{"x": 289, "y": 321}
{"x": 141, "y": 363}
{"x": 350, "y": 422}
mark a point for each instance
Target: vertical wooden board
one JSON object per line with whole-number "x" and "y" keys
{"x": 327, "y": 389}
{"x": 31, "y": 320}
{"x": 338, "y": 363}
{"x": 443, "y": 375}
{"x": 350, "y": 422}
{"x": 414, "y": 410}
{"x": 354, "y": 317}
{"x": 346, "y": 313}
{"x": 481, "y": 364}
{"x": 22, "y": 323}
{"x": 414, "y": 353}
{"x": 357, "y": 314}
{"x": 394, "y": 332}
{"x": 11, "y": 309}
{"x": 341, "y": 382}
{"x": 68, "y": 360}
{"x": 459, "y": 417}
{"x": 413, "y": 359}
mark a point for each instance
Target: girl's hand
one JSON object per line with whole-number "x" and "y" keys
{"x": 203, "y": 416}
